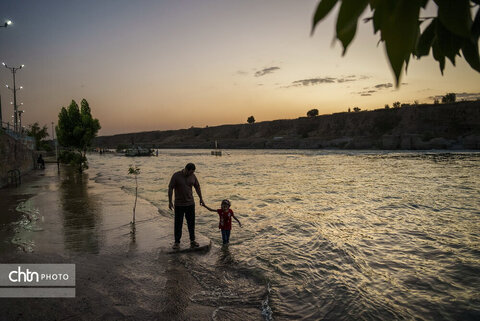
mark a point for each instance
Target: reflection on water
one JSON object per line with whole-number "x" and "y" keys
{"x": 81, "y": 210}
{"x": 225, "y": 257}
{"x": 338, "y": 235}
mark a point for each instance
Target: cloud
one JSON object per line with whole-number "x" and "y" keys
{"x": 313, "y": 81}
{"x": 460, "y": 96}
{"x": 383, "y": 86}
{"x": 347, "y": 79}
{"x": 465, "y": 95}
{"x": 266, "y": 71}
{"x": 369, "y": 91}
{"x": 324, "y": 80}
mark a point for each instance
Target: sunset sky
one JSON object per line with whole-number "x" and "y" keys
{"x": 155, "y": 65}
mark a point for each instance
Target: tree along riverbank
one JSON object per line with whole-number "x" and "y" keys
{"x": 447, "y": 126}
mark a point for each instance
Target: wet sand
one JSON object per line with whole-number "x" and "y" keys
{"x": 119, "y": 276}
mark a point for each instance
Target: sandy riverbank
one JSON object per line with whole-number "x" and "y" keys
{"x": 71, "y": 219}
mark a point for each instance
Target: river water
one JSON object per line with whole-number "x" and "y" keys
{"x": 329, "y": 235}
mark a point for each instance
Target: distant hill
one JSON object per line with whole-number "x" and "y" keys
{"x": 444, "y": 126}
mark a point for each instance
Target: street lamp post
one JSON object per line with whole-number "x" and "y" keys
{"x": 6, "y": 24}
{"x": 56, "y": 148}
{"x": 15, "y": 107}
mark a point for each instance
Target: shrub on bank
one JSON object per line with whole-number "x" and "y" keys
{"x": 75, "y": 159}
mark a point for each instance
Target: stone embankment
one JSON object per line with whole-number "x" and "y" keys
{"x": 15, "y": 154}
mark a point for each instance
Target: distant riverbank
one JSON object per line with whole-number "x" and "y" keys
{"x": 447, "y": 126}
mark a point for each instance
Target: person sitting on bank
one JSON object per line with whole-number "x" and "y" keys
{"x": 40, "y": 162}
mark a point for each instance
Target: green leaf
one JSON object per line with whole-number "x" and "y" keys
{"x": 400, "y": 32}
{"x": 455, "y": 16}
{"x": 438, "y": 55}
{"x": 449, "y": 43}
{"x": 407, "y": 60}
{"x": 470, "y": 52}
{"x": 347, "y": 19}
{"x": 323, "y": 8}
{"x": 426, "y": 39}
{"x": 476, "y": 25}
{"x": 383, "y": 10}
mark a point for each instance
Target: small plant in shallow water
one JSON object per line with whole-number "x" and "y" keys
{"x": 134, "y": 170}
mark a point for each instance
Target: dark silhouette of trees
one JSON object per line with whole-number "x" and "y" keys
{"x": 399, "y": 23}
{"x": 312, "y": 112}
{"x": 76, "y": 130}
{"x": 356, "y": 109}
{"x": 38, "y": 134}
{"x": 396, "y": 104}
{"x": 449, "y": 98}
{"x": 251, "y": 120}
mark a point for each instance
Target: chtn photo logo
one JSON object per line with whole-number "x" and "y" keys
{"x": 18, "y": 280}
{"x": 29, "y": 276}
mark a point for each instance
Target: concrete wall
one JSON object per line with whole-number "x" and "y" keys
{"x": 14, "y": 155}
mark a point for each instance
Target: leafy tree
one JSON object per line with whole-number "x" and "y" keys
{"x": 399, "y": 22}
{"x": 356, "y": 109}
{"x": 251, "y": 120}
{"x": 396, "y": 104}
{"x": 449, "y": 98}
{"x": 435, "y": 101}
{"x": 38, "y": 134}
{"x": 312, "y": 113}
{"x": 387, "y": 106}
{"x": 76, "y": 130}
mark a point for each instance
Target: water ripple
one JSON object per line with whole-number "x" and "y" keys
{"x": 331, "y": 235}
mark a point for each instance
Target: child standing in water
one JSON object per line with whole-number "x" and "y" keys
{"x": 225, "y": 224}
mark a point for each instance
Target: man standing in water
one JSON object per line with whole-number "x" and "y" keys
{"x": 182, "y": 182}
